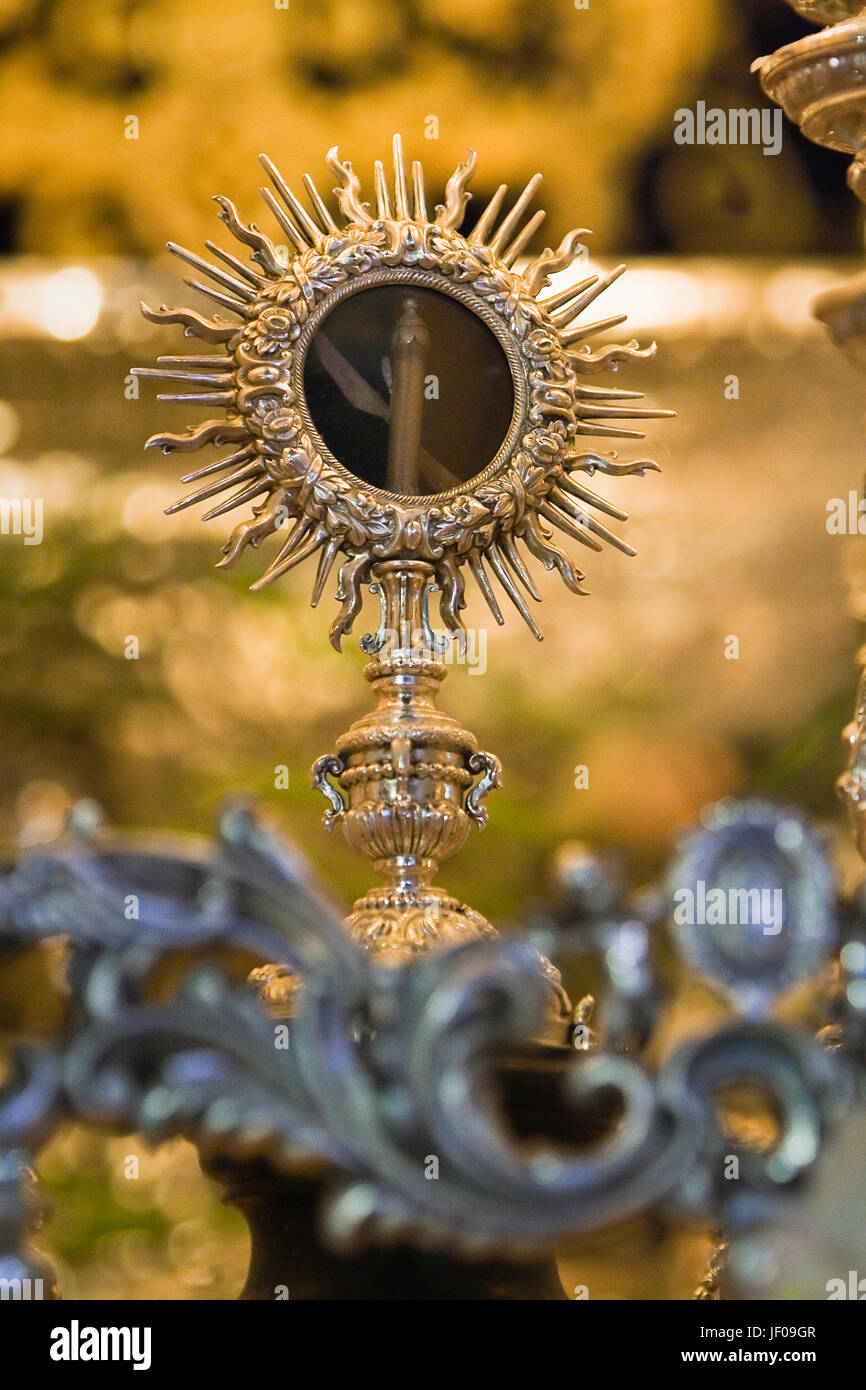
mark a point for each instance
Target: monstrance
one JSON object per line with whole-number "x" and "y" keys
{"x": 402, "y": 402}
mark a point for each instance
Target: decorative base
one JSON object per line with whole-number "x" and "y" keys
{"x": 288, "y": 1260}
{"x": 396, "y": 923}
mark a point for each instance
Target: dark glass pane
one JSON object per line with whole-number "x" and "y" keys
{"x": 408, "y": 388}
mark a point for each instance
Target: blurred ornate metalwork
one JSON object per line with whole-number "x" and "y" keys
{"x": 759, "y": 941}
{"x": 386, "y": 1067}
{"x": 818, "y": 81}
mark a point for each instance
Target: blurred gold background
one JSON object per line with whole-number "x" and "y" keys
{"x": 728, "y": 247}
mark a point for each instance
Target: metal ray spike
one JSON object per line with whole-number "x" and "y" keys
{"x": 246, "y": 495}
{"x": 554, "y": 301}
{"x": 607, "y": 393}
{"x": 523, "y": 238}
{"x": 300, "y": 529}
{"x": 474, "y": 561}
{"x": 609, "y": 431}
{"x": 585, "y": 519}
{"x": 603, "y": 282}
{"x": 285, "y": 221}
{"x": 508, "y": 227}
{"x": 488, "y": 216}
{"x": 284, "y": 563}
{"x": 586, "y": 494}
{"x": 401, "y": 200}
{"x": 201, "y": 494}
{"x": 589, "y": 330}
{"x": 240, "y": 456}
{"x": 228, "y": 282}
{"x": 299, "y": 532}
{"x": 498, "y": 565}
{"x": 297, "y": 208}
{"x": 200, "y": 378}
{"x": 509, "y": 548}
{"x": 257, "y": 281}
{"x": 625, "y": 412}
{"x": 198, "y": 397}
{"x": 234, "y": 306}
{"x": 609, "y": 536}
{"x": 326, "y": 563}
{"x": 383, "y": 203}
{"x": 205, "y": 359}
{"x": 564, "y": 523}
{"x": 319, "y": 206}
{"x": 418, "y": 195}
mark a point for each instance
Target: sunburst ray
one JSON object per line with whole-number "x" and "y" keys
{"x": 380, "y": 186}
{"x": 488, "y": 217}
{"x": 263, "y": 249}
{"x": 217, "y": 432}
{"x": 477, "y": 567}
{"x": 235, "y": 306}
{"x": 567, "y": 526}
{"x": 585, "y": 494}
{"x": 289, "y": 557}
{"x": 590, "y": 330}
{"x": 539, "y": 543}
{"x": 288, "y": 226}
{"x": 509, "y": 224}
{"x": 450, "y": 213}
{"x": 295, "y": 206}
{"x": 523, "y": 238}
{"x": 319, "y": 206}
{"x": 419, "y": 196}
{"x": 498, "y": 564}
{"x": 401, "y": 197}
{"x": 195, "y": 326}
{"x": 240, "y": 456}
{"x": 252, "y": 277}
{"x": 236, "y": 287}
{"x": 573, "y": 507}
{"x": 240, "y": 475}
